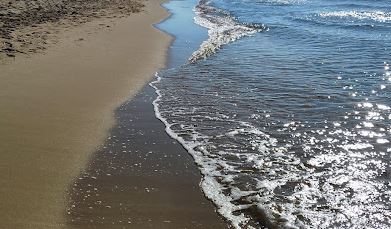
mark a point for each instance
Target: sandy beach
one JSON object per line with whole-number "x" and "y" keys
{"x": 56, "y": 107}
{"x": 186, "y": 114}
{"x": 30, "y": 26}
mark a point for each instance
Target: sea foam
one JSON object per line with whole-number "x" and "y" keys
{"x": 378, "y": 16}
{"x": 222, "y": 29}
{"x": 211, "y": 188}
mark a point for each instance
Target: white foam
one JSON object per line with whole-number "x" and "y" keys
{"x": 374, "y": 15}
{"x": 270, "y": 171}
{"x": 282, "y": 2}
{"x": 211, "y": 188}
{"x": 222, "y": 29}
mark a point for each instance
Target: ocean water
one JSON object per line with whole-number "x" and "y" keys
{"x": 285, "y": 106}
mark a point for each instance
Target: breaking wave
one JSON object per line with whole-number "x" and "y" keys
{"x": 222, "y": 29}
{"x": 378, "y": 16}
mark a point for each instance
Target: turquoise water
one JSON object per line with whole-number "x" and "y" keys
{"x": 285, "y": 106}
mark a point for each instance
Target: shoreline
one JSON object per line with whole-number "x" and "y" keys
{"x": 141, "y": 177}
{"x": 57, "y": 107}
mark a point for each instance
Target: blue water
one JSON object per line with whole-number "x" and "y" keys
{"x": 286, "y": 108}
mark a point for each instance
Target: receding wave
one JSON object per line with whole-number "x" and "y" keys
{"x": 378, "y": 16}
{"x": 222, "y": 29}
{"x": 314, "y": 178}
{"x": 212, "y": 165}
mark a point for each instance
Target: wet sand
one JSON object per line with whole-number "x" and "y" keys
{"x": 56, "y": 108}
{"x": 140, "y": 178}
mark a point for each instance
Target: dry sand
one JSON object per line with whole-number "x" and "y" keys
{"x": 56, "y": 108}
{"x": 24, "y": 23}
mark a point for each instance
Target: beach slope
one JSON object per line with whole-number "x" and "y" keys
{"x": 56, "y": 107}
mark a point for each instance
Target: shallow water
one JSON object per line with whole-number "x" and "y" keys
{"x": 286, "y": 110}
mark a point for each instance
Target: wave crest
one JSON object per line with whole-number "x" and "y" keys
{"x": 222, "y": 29}
{"x": 378, "y": 16}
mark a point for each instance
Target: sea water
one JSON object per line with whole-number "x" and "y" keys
{"x": 286, "y": 108}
